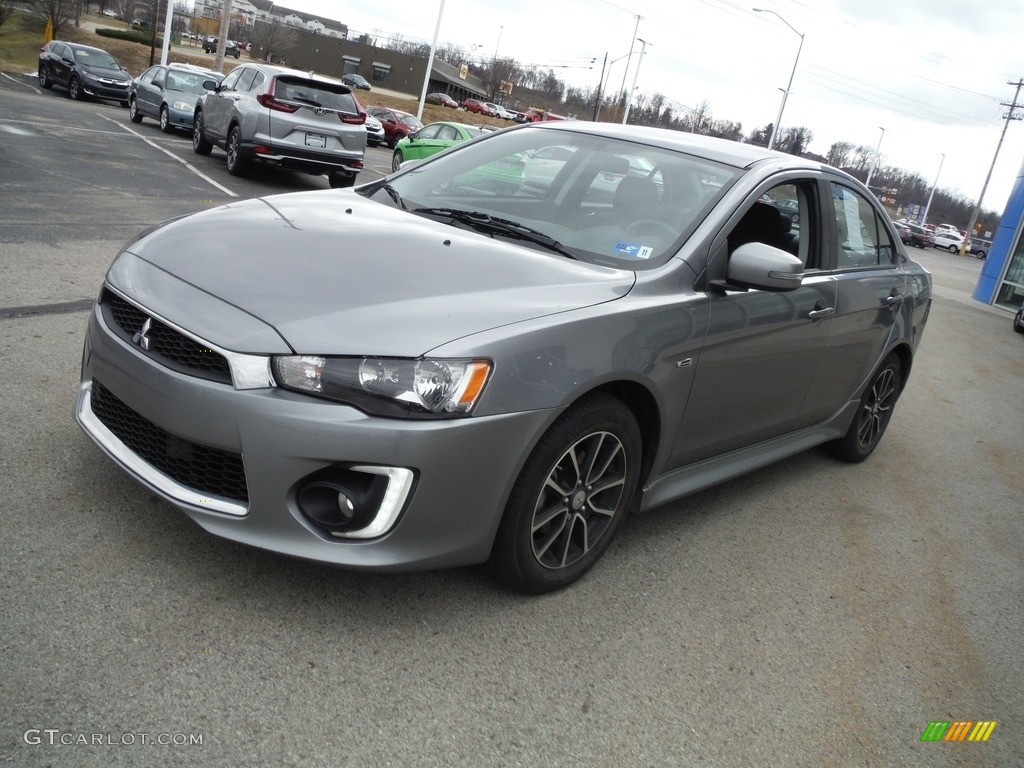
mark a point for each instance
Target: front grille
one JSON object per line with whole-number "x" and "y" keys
{"x": 175, "y": 350}
{"x": 207, "y": 470}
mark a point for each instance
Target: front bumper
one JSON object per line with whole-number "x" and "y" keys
{"x": 463, "y": 469}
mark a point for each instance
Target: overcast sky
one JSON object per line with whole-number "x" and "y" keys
{"x": 933, "y": 73}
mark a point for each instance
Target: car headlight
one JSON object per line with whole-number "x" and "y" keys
{"x": 388, "y": 386}
{"x": 89, "y": 75}
{"x": 183, "y": 106}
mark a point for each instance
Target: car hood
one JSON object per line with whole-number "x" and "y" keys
{"x": 335, "y": 273}
{"x": 110, "y": 74}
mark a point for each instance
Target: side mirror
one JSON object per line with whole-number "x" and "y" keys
{"x": 210, "y": 85}
{"x": 764, "y": 267}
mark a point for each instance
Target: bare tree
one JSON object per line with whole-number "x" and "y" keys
{"x": 271, "y": 40}
{"x": 58, "y": 12}
{"x": 6, "y": 9}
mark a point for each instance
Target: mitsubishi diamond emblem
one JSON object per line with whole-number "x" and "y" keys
{"x": 140, "y": 336}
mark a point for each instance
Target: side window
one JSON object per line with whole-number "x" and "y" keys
{"x": 430, "y": 132}
{"x": 245, "y": 81}
{"x": 448, "y": 133}
{"x": 149, "y": 74}
{"x": 231, "y": 80}
{"x": 783, "y": 218}
{"x": 258, "y": 81}
{"x": 158, "y": 77}
{"x": 862, "y": 240}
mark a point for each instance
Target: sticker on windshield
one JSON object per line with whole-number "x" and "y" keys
{"x": 633, "y": 250}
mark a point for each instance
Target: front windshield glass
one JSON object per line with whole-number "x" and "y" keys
{"x": 95, "y": 59}
{"x": 604, "y": 200}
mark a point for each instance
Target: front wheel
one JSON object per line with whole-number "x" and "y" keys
{"x": 199, "y": 143}
{"x": 165, "y": 119}
{"x": 573, "y": 493}
{"x": 954, "y": 249}
{"x": 75, "y": 89}
{"x": 873, "y": 413}
{"x": 44, "y": 79}
{"x": 396, "y": 160}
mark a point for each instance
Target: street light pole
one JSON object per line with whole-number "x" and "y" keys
{"x": 625, "y": 72}
{"x": 785, "y": 93}
{"x": 924, "y": 219}
{"x": 636, "y": 76}
{"x": 874, "y": 160}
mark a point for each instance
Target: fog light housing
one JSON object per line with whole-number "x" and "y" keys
{"x": 356, "y": 502}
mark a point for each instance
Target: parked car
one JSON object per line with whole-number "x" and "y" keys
{"x": 498, "y": 111}
{"x": 948, "y": 241}
{"x": 169, "y": 94}
{"x": 84, "y": 70}
{"x": 431, "y": 139}
{"x": 283, "y": 117}
{"x": 1018, "y": 320}
{"x": 356, "y": 81}
{"x": 397, "y": 124}
{"x": 904, "y": 232}
{"x": 416, "y": 374}
{"x": 375, "y": 135}
{"x": 441, "y": 99}
{"x": 979, "y": 247}
{"x": 111, "y": 14}
{"x": 475, "y": 105}
{"x": 919, "y": 236}
{"x": 230, "y": 49}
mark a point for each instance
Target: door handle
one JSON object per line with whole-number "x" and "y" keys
{"x": 896, "y": 298}
{"x": 820, "y": 311}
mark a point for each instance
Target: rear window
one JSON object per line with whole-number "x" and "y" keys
{"x": 316, "y": 94}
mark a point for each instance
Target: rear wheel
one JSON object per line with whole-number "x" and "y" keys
{"x": 199, "y": 143}
{"x": 238, "y": 162}
{"x": 133, "y": 112}
{"x": 953, "y": 249}
{"x": 571, "y": 497}
{"x": 873, "y": 414}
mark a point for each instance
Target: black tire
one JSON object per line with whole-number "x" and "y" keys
{"x": 237, "y": 160}
{"x": 1018, "y": 321}
{"x": 873, "y": 413}
{"x": 396, "y": 160}
{"x": 574, "y": 491}
{"x": 339, "y": 180}
{"x": 44, "y": 78}
{"x": 199, "y": 143}
{"x": 165, "y": 119}
{"x": 75, "y": 89}
{"x": 133, "y": 112}
{"x": 953, "y": 249}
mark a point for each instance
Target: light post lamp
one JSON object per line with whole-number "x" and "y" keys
{"x": 874, "y": 160}
{"x": 605, "y": 78}
{"x": 636, "y": 76}
{"x": 785, "y": 93}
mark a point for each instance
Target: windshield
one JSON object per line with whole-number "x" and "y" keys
{"x": 187, "y": 82}
{"x": 95, "y": 59}
{"x": 604, "y": 200}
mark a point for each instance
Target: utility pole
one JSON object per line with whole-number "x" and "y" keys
{"x": 1008, "y": 117}
{"x": 225, "y": 27}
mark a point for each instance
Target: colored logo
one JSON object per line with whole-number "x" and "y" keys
{"x": 958, "y": 730}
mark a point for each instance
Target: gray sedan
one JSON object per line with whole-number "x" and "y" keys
{"x": 452, "y": 366}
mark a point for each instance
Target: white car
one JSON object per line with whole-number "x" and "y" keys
{"x": 949, "y": 241}
{"x": 499, "y": 111}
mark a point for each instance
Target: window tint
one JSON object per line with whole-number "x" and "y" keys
{"x": 862, "y": 240}
{"x": 230, "y": 80}
{"x": 246, "y": 80}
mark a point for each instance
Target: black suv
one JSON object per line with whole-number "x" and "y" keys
{"x": 230, "y": 49}
{"x": 84, "y": 71}
{"x": 920, "y": 237}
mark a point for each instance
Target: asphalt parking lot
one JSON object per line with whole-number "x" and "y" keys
{"x": 810, "y": 614}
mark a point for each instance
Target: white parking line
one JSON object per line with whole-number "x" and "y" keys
{"x": 23, "y": 84}
{"x": 170, "y": 154}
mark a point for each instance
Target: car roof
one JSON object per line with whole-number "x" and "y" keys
{"x": 274, "y": 70}
{"x": 723, "y": 151}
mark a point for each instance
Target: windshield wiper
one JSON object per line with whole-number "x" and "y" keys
{"x": 494, "y": 225}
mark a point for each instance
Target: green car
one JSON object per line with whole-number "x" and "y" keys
{"x": 431, "y": 139}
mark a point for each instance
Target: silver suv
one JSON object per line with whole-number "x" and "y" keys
{"x": 283, "y": 117}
